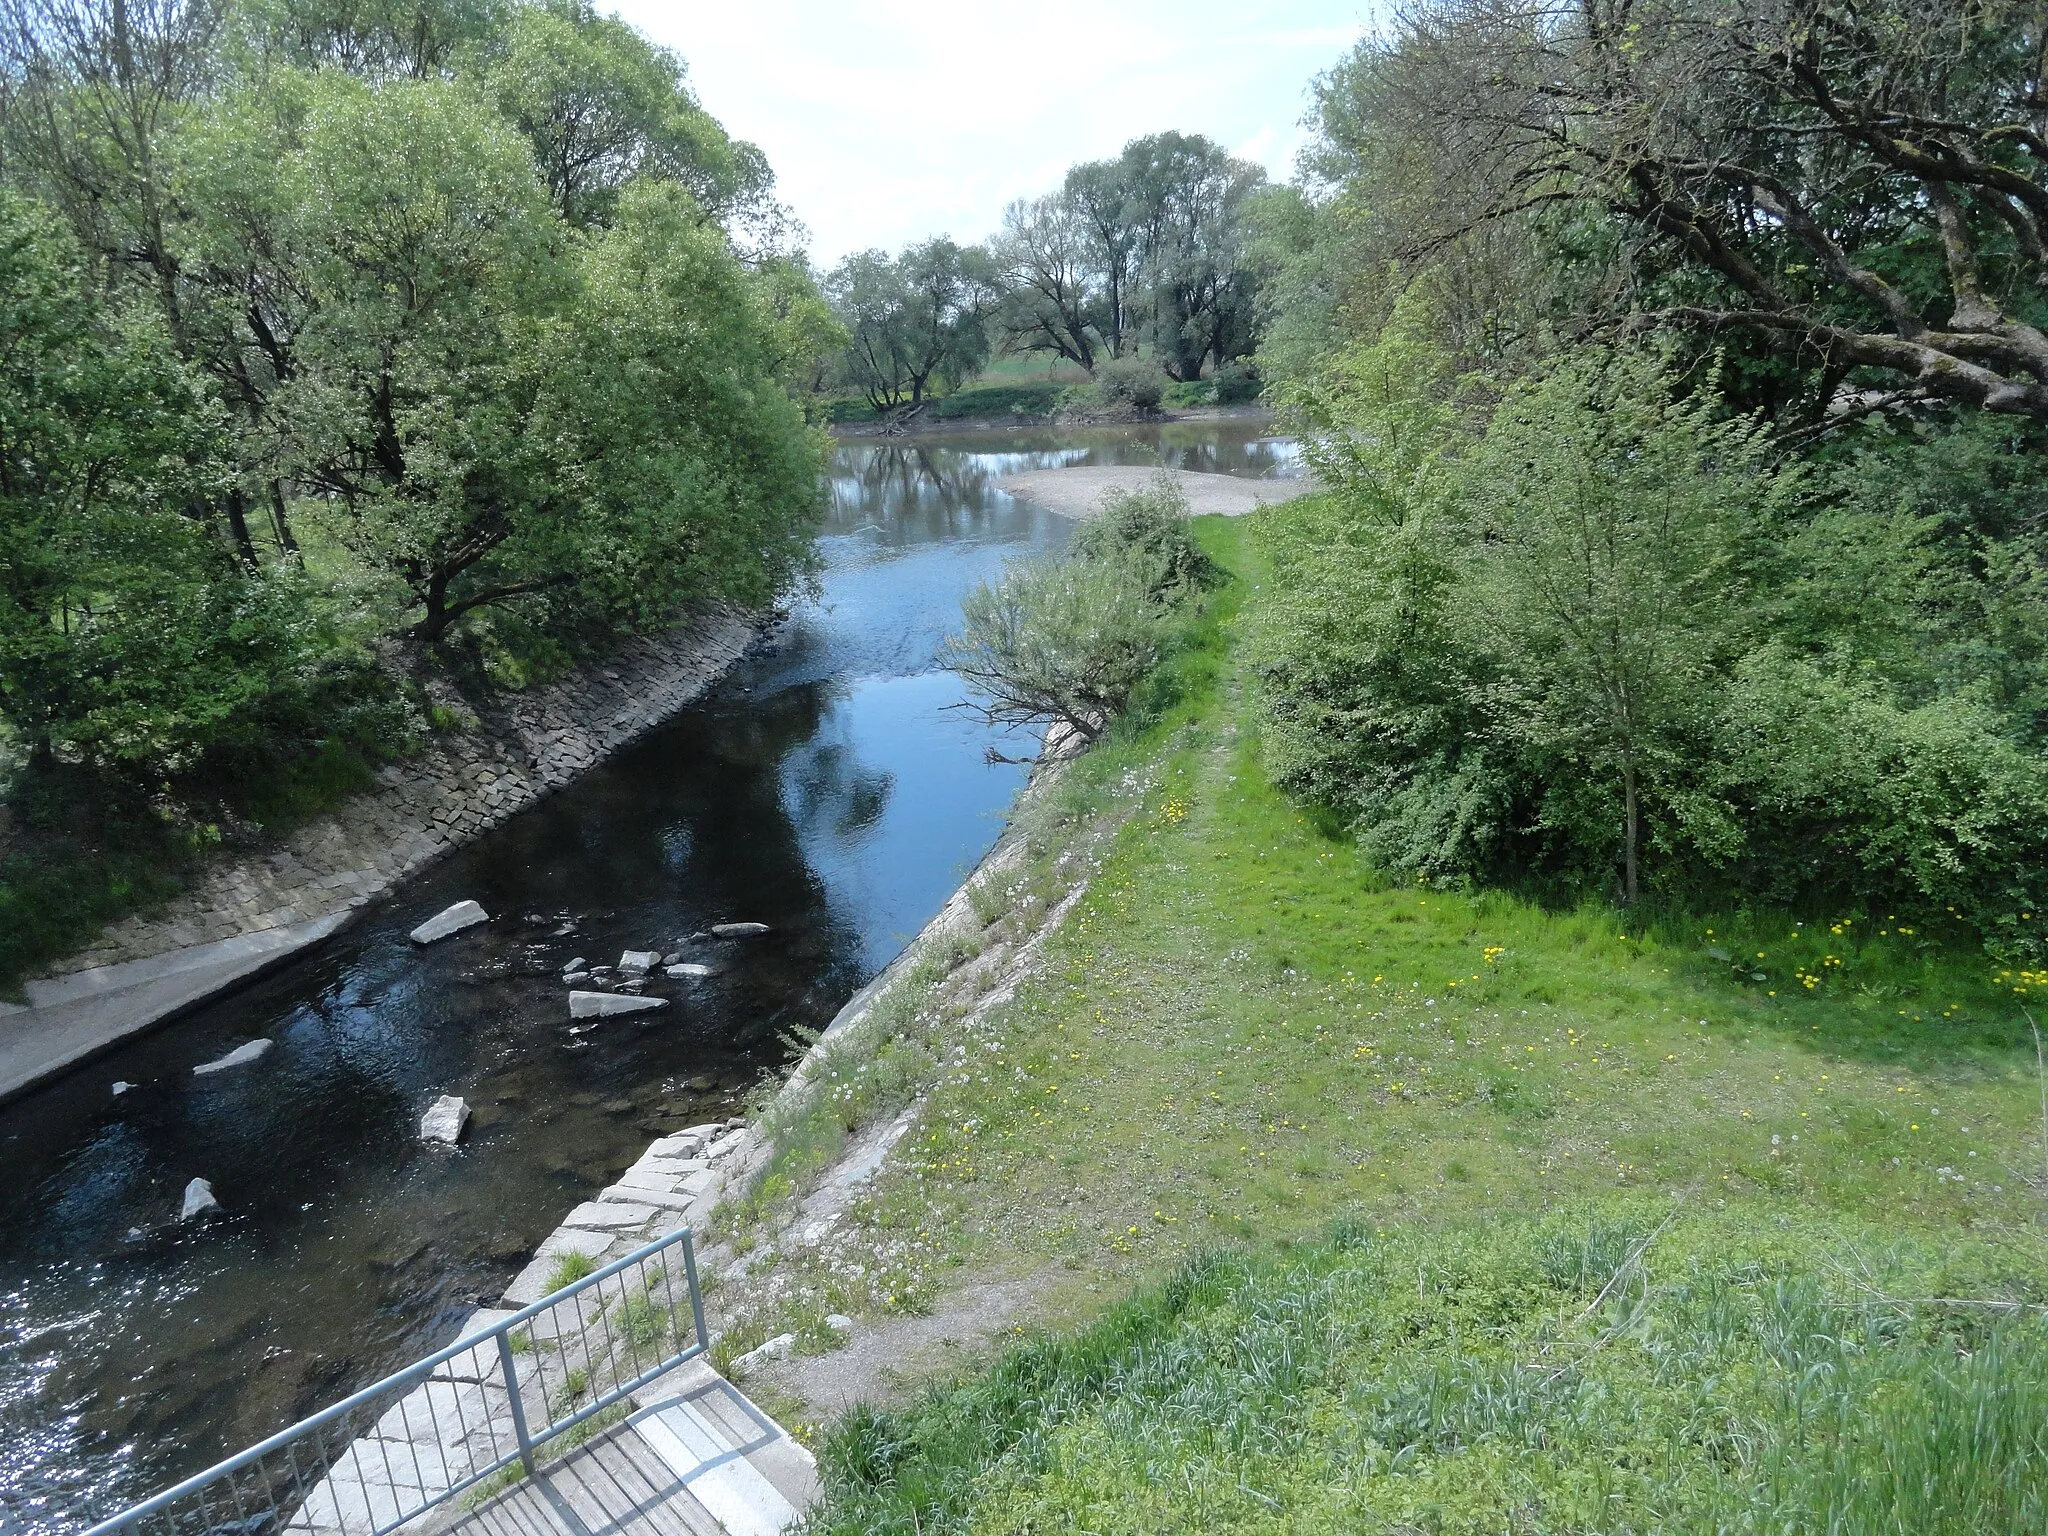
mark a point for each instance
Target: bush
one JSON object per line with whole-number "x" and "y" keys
{"x": 1237, "y": 382}
{"x": 1064, "y": 641}
{"x": 1150, "y": 527}
{"x": 1129, "y": 383}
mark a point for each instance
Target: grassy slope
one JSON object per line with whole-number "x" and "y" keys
{"x": 1244, "y": 1033}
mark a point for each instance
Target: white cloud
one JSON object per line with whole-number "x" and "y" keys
{"x": 890, "y": 120}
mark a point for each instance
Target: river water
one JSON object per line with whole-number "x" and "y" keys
{"x": 825, "y": 787}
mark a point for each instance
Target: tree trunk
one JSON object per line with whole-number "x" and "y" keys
{"x": 1630, "y": 833}
{"x": 238, "y": 525}
{"x": 280, "y": 523}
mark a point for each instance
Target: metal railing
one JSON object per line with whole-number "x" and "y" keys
{"x": 446, "y": 1425}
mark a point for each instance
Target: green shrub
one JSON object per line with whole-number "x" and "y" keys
{"x": 1237, "y": 382}
{"x": 1129, "y": 383}
{"x": 1149, "y": 526}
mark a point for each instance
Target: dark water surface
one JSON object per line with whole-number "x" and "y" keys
{"x": 825, "y": 789}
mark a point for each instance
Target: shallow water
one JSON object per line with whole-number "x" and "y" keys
{"x": 828, "y": 789}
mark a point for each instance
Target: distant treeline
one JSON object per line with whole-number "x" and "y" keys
{"x": 1147, "y": 262}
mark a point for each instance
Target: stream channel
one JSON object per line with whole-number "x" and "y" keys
{"x": 824, "y": 787}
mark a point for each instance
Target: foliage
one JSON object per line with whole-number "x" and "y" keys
{"x": 379, "y": 339}
{"x": 1129, "y": 383}
{"x": 1528, "y": 635}
{"x": 1068, "y": 639}
{"x": 1540, "y": 1371}
{"x": 1852, "y": 192}
{"x": 915, "y": 321}
{"x": 1061, "y": 641}
{"x": 1149, "y": 527}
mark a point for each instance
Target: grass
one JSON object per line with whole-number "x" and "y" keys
{"x": 1243, "y": 1031}
{"x": 568, "y": 1269}
{"x": 1592, "y": 1370}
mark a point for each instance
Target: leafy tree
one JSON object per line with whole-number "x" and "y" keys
{"x": 600, "y": 105}
{"x": 1861, "y": 189}
{"x": 1603, "y": 584}
{"x": 128, "y": 636}
{"x": 914, "y": 320}
{"x": 1049, "y": 292}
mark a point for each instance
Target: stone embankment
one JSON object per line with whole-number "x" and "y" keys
{"x": 245, "y": 914}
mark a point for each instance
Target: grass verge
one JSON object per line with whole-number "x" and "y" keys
{"x": 1243, "y": 1031}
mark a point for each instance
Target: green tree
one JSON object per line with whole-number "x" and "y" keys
{"x": 1604, "y": 580}
{"x": 128, "y": 635}
{"x": 601, "y": 105}
{"x": 915, "y": 320}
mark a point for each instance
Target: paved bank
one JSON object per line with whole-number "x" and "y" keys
{"x": 244, "y": 915}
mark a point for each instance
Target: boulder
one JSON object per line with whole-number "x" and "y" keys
{"x": 464, "y": 914}
{"x": 199, "y": 1201}
{"x": 777, "y": 1348}
{"x": 839, "y": 1323}
{"x": 445, "y": 1120}
{"x": 575, "y": 965}
{"x": 738, "y": 930}
{"x": 638, "y": 962}
{"x": 240, "y": 1056}
{"x": 602, "y": 1005}
{"x": 686, "y": 969}
{"x": 572, "y": 977}
{"x": 121, "y": 1088}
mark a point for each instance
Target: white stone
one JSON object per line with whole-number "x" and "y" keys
{"x": 464, "y": 914}
{"x": 638, "y": 962}
{"x": 730, "y": 1142}
{"x": 635, "y": 1194}
{"x": 687, "y": 969}
{"x": 240, "y": 1056}
{"x": 121, "y": 1088}
{"x": 567, "y": 1240}
{"x": 598, "y": 1215}
{"x": 445, "y": 1120}
{"x": 738, "y": 930}
{"x": 681, "y": 1144}
{"x": 601, "y": 1005}
{"x": 572, "y": 977}
{"x": 575, "y": 965}
{"x": 839, "y": 1322}
{"x": 198, "y": 1200}
{"x": 777, "y": 1348}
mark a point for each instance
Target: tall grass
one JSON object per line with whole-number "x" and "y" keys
{"x": 1590, "y": 1370}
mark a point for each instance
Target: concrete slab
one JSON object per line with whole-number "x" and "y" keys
{"x": 71, "y": 1019}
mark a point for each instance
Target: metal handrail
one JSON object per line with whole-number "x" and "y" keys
{"x": 525, "y": 1439}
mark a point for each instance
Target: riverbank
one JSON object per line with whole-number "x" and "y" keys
{"x": 1236, "y": 1033}
{"x": 241, "y": 916}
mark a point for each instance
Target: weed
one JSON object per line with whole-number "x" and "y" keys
{"x": 568, "y": 1269}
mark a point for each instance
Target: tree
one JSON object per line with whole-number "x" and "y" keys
{"x": 913, "y": 320}
{"x": 1187, "y": 200}
{"x": 1863, "y": 188}
{"x": 127, "y": 635}
{"x": 1049, "y": 291}
{"x": 1603, "y": 583}
{"x": 1099, "y": 194}
{"x": 601, "y": 105}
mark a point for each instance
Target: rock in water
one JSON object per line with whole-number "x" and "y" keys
{"x": 738, "y": 930}
{"x": 687, "y": 969}
{"x": 121, "y": 1088}
{"x": 240, "y": 1056}
{"x": 444, "y": 1120}
{"x": 199, "y": 1201}
{"x": 598, "y": 1005}
{"x": 464, "y": 914}
{"x": 575, "y": 965}
{"x": 638, "y": 962}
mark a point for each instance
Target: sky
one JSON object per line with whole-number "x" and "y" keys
{"x": 887, "y": 121}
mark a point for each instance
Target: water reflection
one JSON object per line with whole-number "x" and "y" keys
{"x": 827, "y": 789}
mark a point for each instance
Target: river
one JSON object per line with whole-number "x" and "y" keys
{"x": 826, "y": 787}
